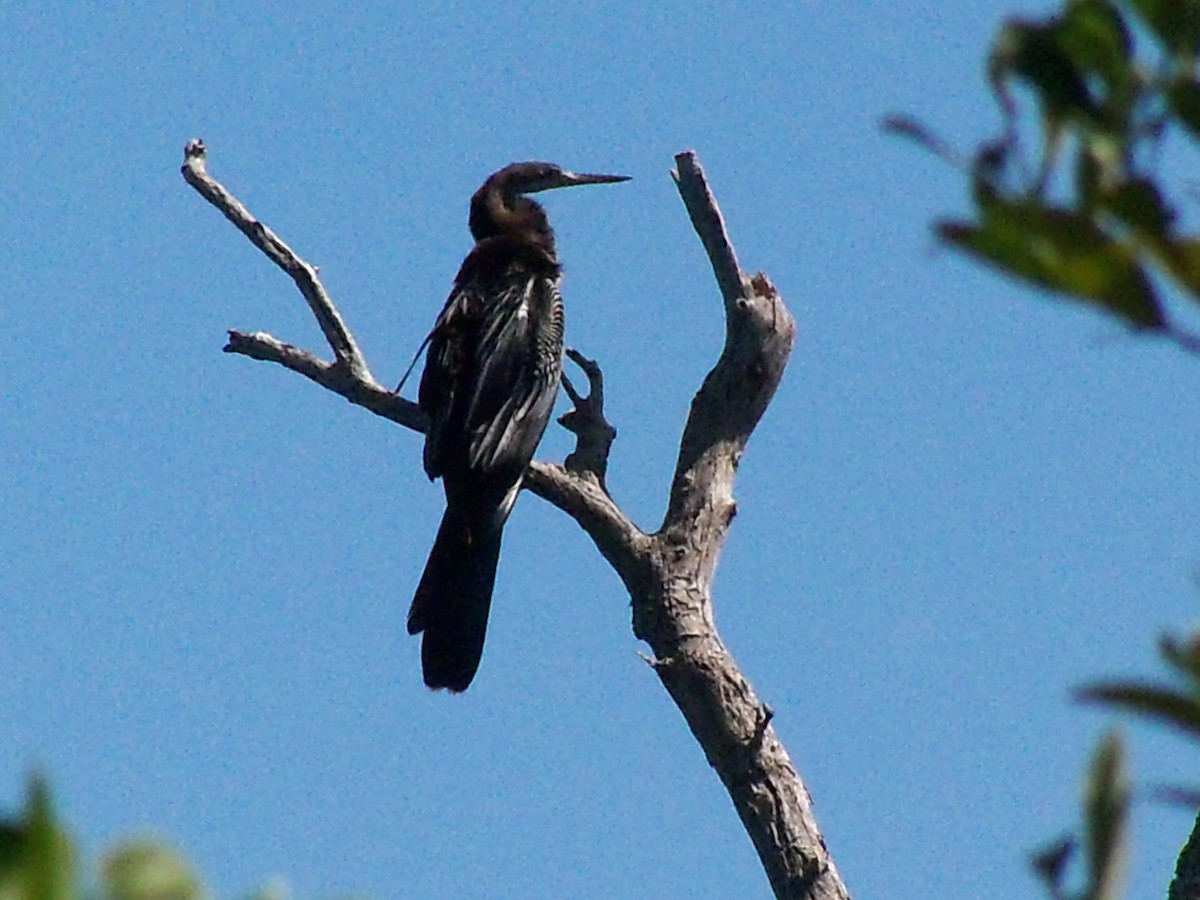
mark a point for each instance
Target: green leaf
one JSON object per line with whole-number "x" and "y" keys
{"x": 1159, "y": 703}
{"x": 1176, "y": 23}
{"x": 1106, "y": 804}
{"x": 12, "y": 847}
{"x": 1050, "y": 864}
{"x": 1183, "y": 95}
{"x": 1095, "y": 37}
{"x": 1087, "y": 180}
{"x": 1061, "y": 251}
{"x": 1180, "y": 257}
{"x": 916, "y": 131}
{"x": 48, "y": 867}
{"x": 1031, "y": 51}
{"x": 1183, "y": 657}
{"x": 1139, "y": 203}
{"x": 144, "y": 870}
{"x": 1174, "y": 795}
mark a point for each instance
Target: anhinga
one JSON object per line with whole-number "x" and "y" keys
{"x": 490, "y": 381}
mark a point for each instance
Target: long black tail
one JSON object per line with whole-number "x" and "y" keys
{"x": 453, "y": 599}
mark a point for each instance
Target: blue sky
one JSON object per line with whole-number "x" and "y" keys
{"x": 964, "y": 501}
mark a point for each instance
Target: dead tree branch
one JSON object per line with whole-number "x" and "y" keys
{"x": 594, "y": 435}
{"x": 668, "y": 574}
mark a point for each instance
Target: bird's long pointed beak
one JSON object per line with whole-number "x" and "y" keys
{"x": 570, "y": 179}
{"x": 573, "y": 178}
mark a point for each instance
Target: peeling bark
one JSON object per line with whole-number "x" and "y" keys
{"x": 669, "y": 573}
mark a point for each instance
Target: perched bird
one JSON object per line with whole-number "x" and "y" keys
{"x": 491, "y": 377}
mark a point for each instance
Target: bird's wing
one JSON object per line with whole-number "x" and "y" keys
{"x": 447, "y": 373}
{"x": 520, "y": 351}
{"x": 492, "y": 373}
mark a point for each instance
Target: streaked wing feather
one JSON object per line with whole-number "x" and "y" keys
{"x": 445, "y": 372}
{"x": 521, "y": 342}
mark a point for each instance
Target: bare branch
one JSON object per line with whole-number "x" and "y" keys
{"x": 594, "y": 435}
{"x": 759, "y": 333}
{"x": 674, "y": 612}
{"x": 709, "y": 224}
{"x": 364, "y": 392}
{"x": 345, "y": 349}
{"x": 581, "y": 496}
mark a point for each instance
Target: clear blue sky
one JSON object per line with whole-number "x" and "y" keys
{"x": 965, "y": 500}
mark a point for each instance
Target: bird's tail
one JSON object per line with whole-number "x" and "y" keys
{"x": 453, "y": 599}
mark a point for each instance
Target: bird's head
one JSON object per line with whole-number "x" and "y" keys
{"x": 501, "y": 207}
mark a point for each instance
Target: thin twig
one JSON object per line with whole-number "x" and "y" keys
{"x": 345, "y": 349}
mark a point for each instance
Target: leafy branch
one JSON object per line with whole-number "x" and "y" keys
{"x": 1071, "y": 201}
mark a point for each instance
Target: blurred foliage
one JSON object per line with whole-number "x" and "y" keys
{"x": 1073, "y": 197}
{"x": 1068, "y": 199}
{"x": 140, "y": 870}
{"x": 1175, "y": 703}
{"x": 1105, "y": 807}
{"x": 38, "y": 861}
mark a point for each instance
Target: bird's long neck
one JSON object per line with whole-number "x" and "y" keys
{"x": 498, "y": 211}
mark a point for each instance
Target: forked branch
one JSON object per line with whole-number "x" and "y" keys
{"x": 668, "y": 574}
